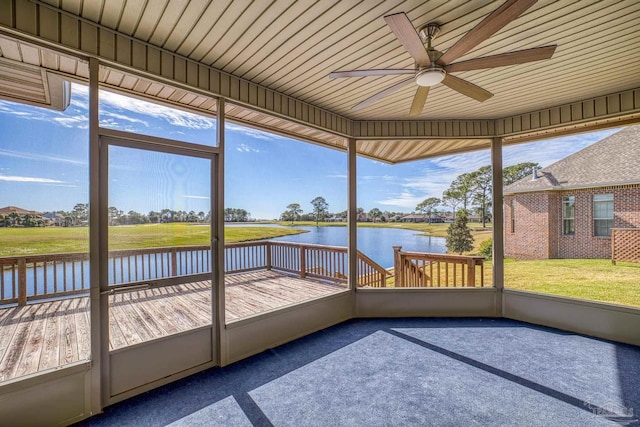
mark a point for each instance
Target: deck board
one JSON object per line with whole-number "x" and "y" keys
{"x": 49, "y": 334}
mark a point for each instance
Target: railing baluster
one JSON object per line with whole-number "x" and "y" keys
{"x": 35, "y": 279}
{"x": 82, "y": 282}
{"x": 22, "y": 281}
{"x": 2, "y": 295}
{"x": 73, "y": 277}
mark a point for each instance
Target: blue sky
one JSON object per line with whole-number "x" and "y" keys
{"x": 43, "y": 163}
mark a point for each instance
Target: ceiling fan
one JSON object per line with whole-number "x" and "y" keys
{"x": 433, "y": 67}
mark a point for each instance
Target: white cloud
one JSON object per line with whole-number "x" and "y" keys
{"x": 13, "y": 178}
{"x": 253, "y": 133}
{"x": 78, "y": 122}
{"x": 187, "y": 196}
{"x": 337, "y": 176}
{"x": 463, "y": 162}
{"x": 405, "y": 199}
{"x": 386, "y": 178}
{"x": 40, "y": 157}
{"x": 174, "y": 116}
{"x": 116, "y": 116}
{"x": 244, "y": 148}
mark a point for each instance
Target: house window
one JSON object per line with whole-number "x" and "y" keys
{"x": 568, "y": 211}
{"x": 513, "y": 217}
{"x": 602, "y": 214}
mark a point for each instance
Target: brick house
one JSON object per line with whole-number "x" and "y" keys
{"x": 567, "y": 210}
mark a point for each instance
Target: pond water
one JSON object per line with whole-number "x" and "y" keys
{"x": 376, "y": 243}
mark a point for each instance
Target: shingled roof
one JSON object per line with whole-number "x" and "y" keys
{"x": 14, "y": 209}
{"x": 614, "y": 160}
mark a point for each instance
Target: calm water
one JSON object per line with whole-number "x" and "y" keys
{"x": 376, "y": 243}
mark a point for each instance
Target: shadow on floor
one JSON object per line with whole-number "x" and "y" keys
{"x": 407, "y": 372}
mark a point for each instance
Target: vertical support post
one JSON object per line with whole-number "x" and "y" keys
{"x": 303, "y": 261}
{"x": 217, "y": 241}
{"x": 98, "y": 250}
{"x": 352, "y": 212}
{"x": 268, "y": 255}
{"x": 471, "y": 272}
{"x": 397, "y": 267}
{"x": 22, "y": 282}
{"x": 498, "y": 221}
{"x": 174, "y": 262}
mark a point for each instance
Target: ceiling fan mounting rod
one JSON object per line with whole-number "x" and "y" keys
{"x": 429, "y": 32}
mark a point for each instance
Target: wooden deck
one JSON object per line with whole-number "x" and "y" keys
{"x": 45, "y": 335}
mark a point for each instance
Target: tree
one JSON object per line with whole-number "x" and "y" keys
{"x": 375, "y": 214}
{"x": 14, "y": 219}
{"x": 154, "y": 217}
{"x": 166, "y": 215}
{"x": 514, "y": 173}
{"x": 452, "y": 199}
{"x": 462, "y": 187}
{"x": 428, "y": 205}
{"x": 236, "y": 215}
{"x": 459, "y": 238}
{"x": 294, "y": 210}
{"x": 192, "y": 217}
{"x": 114, "y": 213}
{"x": 482, "y": 187}
{"x": 320, "y": 209}
{"x": 81, "y": 213}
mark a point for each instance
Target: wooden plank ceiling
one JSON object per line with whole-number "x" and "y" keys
{"x": 291, "y": 46}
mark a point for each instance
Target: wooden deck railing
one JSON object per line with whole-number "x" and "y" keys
{"x": 35, "y": 277}
{"x": 418, "y": 269}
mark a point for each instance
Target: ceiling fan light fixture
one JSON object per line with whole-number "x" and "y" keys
{"x": 430, "y": 76}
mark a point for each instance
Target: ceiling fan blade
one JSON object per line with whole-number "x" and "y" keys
{"x": 382, "y": 94}
{"x": 466, "y": 88}
{"x": 510, "y": 58}
{"x": 367, "y": 73}
{"x": 498, "y": 19}
{"x": 419, "y": 100}
{"x": 408, "y": 36}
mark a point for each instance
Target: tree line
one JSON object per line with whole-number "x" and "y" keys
{"x": 320, "y": 212}
{"x": 472, "y": 191}
{"x": 79, "y": 216}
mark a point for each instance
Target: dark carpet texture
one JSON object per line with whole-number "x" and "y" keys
{"x": 407, "y": 372}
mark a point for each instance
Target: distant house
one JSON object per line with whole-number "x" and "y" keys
{"x": 414, "y": 218}
{"x": 13, "y": 215}
{"x": 425, "y": 218}
{"x": 55, "y": 219}
{"x": 568, "y": 209}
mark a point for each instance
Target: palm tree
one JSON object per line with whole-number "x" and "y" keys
{"x": 14, "y": 219}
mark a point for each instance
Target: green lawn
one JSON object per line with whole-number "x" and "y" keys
{"x": 50, "y": 240}
{"x": 591, "y": 279}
